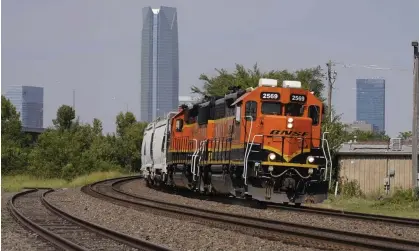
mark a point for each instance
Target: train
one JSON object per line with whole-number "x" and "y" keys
{"x": 264, "y": 143}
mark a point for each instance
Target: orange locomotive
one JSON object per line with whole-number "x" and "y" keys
{"x": 264, "y": 143}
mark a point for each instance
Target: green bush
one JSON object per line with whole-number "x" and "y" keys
{"x": 69, "y": 149}
{"x": 400, "y": 197}
{"x": 351, "y": 189}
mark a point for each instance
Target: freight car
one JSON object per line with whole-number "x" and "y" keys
{"x": 262, "y": 143}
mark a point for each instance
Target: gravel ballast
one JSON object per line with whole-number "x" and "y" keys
{"x": 13, "y": 236}
{"x": 350, "y": 225}
{"x": 173, "y": 233}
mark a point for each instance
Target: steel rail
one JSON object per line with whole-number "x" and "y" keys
{"x": 353, "y": 215}
{"x": 43, "y": 232}
{"x": 275, "y": 227}
{"x": 117, "y": 236}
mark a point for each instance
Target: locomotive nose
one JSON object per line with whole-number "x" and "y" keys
{"x": 288, "y": 136}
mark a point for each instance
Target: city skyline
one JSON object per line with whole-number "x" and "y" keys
{"x": 98, "y": 54}
{"x": 29, "y": 102}
{"x": 159, "y": 62}
{"x": 371, "y": 102}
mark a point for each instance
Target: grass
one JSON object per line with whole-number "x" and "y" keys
{"x": 370, "y": 206}
{"x": 18, "y": 182}
{"x": 401, "y": 203}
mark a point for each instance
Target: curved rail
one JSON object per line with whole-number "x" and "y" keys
{"x": 353, "y": 215}
{"x": 43, "y": 232}
{"x": 91, "y": 227}
{"x": 402, "y": 221}
{"x": 270, "y": 228}
{"x": 120, "y": 237}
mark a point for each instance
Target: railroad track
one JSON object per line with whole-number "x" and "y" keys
{"x": 401, "y": 221}
{"x": 352, "y": 215}
{"x": 66, "y": 232}
{"x": 264, "y": 228}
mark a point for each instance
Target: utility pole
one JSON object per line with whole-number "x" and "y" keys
{"x": 415, "y": 114}
{"x": 331, "y": 77}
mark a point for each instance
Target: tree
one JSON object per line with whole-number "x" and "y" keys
{"x": 11, "y": 127}
{"x": 65, "y": 116}
{"x": 368, "y": 136}
{"x": 123, "y": 121}
{"x": 13, "y": 140}
{"x": 405, "y": 135}
{"x": 97, "y": 127}
{"x": 128, "y": 144}
{"x": 218, "y": 85}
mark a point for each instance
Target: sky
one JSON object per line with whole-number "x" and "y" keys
{"x": 94, "y": 47}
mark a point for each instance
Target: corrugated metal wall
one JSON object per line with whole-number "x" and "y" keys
{"x": 370, "y": 171}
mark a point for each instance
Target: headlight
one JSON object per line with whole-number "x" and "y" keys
{"x": 270, "y": 168}
{"x": 290, "y": 120}
{"x": 310, "y": 159}
{"x": 289, "y": 125}
{"x": 310, "y": 171}
{"x": 272, "y": 156}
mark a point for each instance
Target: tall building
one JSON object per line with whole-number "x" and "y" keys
{"x": 159, "y": 63}
{"x": 370, "y": 102}
{"x": 29, "y": 102}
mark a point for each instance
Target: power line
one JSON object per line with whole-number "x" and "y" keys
{"x": 331, "y": 75}
{"x": 371, "y": 67}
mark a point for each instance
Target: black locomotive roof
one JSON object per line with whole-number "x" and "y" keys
{"x": 215, "y": 100}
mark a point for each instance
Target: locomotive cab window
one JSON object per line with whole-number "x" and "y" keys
{"x": 251, "y": 109}
{"x": 294, "y": 109}
{"x": 272, "y": 108}
{"x": 179, "y": 125}
{"x": 314, "y": 114}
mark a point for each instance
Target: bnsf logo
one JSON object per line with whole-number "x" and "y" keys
{"x": 289, "y": 133}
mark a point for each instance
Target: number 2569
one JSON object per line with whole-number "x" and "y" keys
{"x": 270, "y": 95}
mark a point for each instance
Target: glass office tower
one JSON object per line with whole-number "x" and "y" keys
{"x": 29, "y": 102}
{"x": 370, "y": 102}
{"x": 159, "y": 63}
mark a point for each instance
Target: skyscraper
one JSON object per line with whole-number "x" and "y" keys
{"x": 370, "y": 102}
{"x": 29, "y": 102}
{"x": 159, "y": 63}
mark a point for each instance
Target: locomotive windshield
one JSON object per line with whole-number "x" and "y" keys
{"x": 294, "y": 109}
{"x": 272, "y": 108}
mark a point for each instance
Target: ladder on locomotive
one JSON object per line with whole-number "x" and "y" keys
{"x": 197, "y": 157}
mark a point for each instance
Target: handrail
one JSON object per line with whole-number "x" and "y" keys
{"x": 250, "y": 132}
{"x": 193, "y": 156}
{"x": 195, "y": 161}
{"x": 327, "y": 156}
{"x": 330, "y": 162}
{"x": 246, "y": 157}
{"x": 204, "y": 142}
